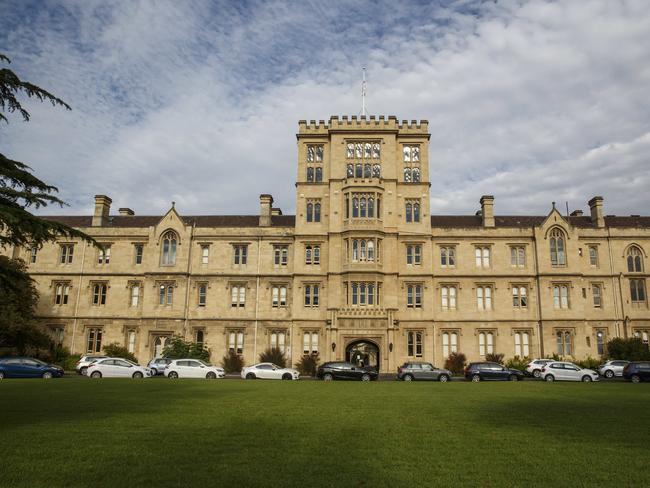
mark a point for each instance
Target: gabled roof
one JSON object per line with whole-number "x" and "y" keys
{"x": 152, "y": 220}
{"x": 468, "y": 221}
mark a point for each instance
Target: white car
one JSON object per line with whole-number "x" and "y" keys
{"x": 117, "y": 368}
{"x": 612, "y": 368}
{"x": 193, "y": 368}
{"x": 84, "y": 361}
{"x": 269, "y": 371}
{"x": 534, "y": 367}
{"x": 563, "y": 371}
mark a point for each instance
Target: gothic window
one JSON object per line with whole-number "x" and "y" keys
{"x": 236, "y": 342}
{"x": 99, "y": 293}
{"x": 412, "y": 211}
{"x": 634, "y": 260}
{"x": 485, "y": 343}
{"x": 484, "y": 297}
{"x": 448, "y": 256}
{"x": 169, "y": 243}
{"x": 310, "y": 342}
{"x": 448, "y": 297}
{"x": 560, "y": 296}
{"x": 637, "y": 292}
{"x": 166, "y": 294}
{"x": 104, "y": 254}
{"x": 522, "y": 341}
{"x": 414, "y": 344}
{"x": 66, "y": 252}
{"x": 203, "y": 294}
{"x": 517, "y": 256}
{"x": 564, "y": 343}
{"x": 279, "y": 296}
{"x": 414, "y": 296}
{"x": 238, "y": 296}
{"x": 558, "y": 248}
{"x": 449, "y": 343}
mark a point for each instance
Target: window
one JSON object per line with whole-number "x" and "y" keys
{"x": 314, "y": 163}
{"x": 312, "y": 254}
{"x": 313, "y": 210}
{"x": 104, "y": 254}
{"x": 564, "y": 346}
{"x": 199, "y": 337}
{"x": 643, "y": 335}
{"x": 517, "y": 256}
{"x": 484, "y": 297}
{"x": 364, "y": 250}
{"x": 414, "y": 343}
{"x": 99, "y": 293}
{"x": 279, "y": 294}
{"x": 519, "y": 296}
{"x": 237, "y": 295}
{"x": 560, "y": 296}
{"x": 311, "y": 295}
{"x": 412, "y": 210}
{"x": 33, "y": 252}
{"x": 169, "y": 243}
{"x": 522, "y": 341}
{"x": 280, "y": 255}
{"x": 414, "y": 296}
{"x": 637, "y": 292}
{"x": 61, "y": 292}
{"x": 634, "y": 260}
{"x": 363, "y": 159}
{"x": 593, "y": 256}
{"x": 449, "y": 343}
{"x": 482, "y": 257}
{"x": 485, "y": 343}
{"x": 203, "y": 294}
{"x": 130, "y": 341}
{"x": 277, "y": 340}
{"x": 94, "y": 340}
{"x": 411, "y": 153}
{"x": 364, "y": 293}
{"x": 600, "y": 342}
{"x": 166, "y": 294}
{"x": 66, "y": 252}
{"x": 135, "y": 294}
{"x": 57, "y": 334}
{"x": 240, "y": 254}
{"x": 448, "y": 295}
{"x": 139, "y": 250}
{"x": 236, "y": 342}
{"x": 411, "y": 164}
{"x": 448, "y": 256}
{"x": 596, "y": 293}
{"x": 414, "y": 254}
{"x": 205, "y": 254}
{"x": 309, "y": 342}
{"x": 558, "y": 253}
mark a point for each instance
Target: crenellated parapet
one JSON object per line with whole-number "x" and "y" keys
{"x": 356, "y": 123}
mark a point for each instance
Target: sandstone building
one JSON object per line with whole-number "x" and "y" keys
{"x": 363, "y": 269}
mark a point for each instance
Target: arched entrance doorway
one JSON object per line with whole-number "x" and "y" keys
{"x": 158, "y": 345}
{"x": 363, "y": 353}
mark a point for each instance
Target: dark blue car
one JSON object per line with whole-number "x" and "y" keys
{"x": 22, "y": 367}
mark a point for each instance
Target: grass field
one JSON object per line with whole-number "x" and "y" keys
{"x": 160, "y": 433}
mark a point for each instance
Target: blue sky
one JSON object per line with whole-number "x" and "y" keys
{"x": 198, "y": 102}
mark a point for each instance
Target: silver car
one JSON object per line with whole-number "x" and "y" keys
{"x": 158, "y": 365}
{"x": 416, "y": 370}
{"x": 612, "y": 368}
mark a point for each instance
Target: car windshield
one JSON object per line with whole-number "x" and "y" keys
{"x": 38, "y": 361}
{"x": 204, "y": 363}
{"x": 275, "y": 366}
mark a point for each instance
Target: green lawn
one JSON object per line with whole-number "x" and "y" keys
{"x": 161, "y": 433}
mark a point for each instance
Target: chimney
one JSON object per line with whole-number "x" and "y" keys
{"x": 126, "y": 211}
{"x": 102, "y": 209}
{"x": 596, "y": 206}
{"x": 577, "y": 213}
{"x": 487, "y": 210}
{"x": 266, "y": 210}
{"x": 276, "y": 211}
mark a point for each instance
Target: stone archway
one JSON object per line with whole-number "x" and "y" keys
{"x": 363, "y": 352}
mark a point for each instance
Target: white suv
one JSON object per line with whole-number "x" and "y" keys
{"x": 84, "y": 361}
{"x": 534, "y": 368}
{"x": 562, "y": 371}
{"x": 192, "y": 368}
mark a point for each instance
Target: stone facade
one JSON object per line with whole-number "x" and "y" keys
{"x": 361, "y": 264}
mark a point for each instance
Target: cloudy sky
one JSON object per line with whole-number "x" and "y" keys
{"x": 198, "y": 101}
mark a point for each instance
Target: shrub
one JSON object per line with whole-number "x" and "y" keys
{"x": 495, "y": 358}
{"x": 61, "y": 356}
{"x": 275, "y": 356}
{"x": 116, "y": 351}
{"x": 232, "y": 362}
{"x": 632, "y": 349}
{"x": 589, "y": 363}
{"x": 517, "y": 363}
{"x": 178, "y": 348}
{"x": 308, "y": 364}
{"x": 456, "y": 362}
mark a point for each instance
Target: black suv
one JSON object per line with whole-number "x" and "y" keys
{"x": 337, "y": 370}
{"x": 637, "y": 371}
{"x": 491, "y": 372}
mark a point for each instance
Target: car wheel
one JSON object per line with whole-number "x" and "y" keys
{"x": 513, "y": 377}
{"x": 443, "y": 378}
{"x": 154, "y": 372}
{"x": 172, "y": 375}
{"x": 137, "y": 375}
{"x": 635, "y": 378}
{"x": 95, "y": 374}
{"x": 47, "y": 375}
{"x": 408, "y": 377}
{"x": 84, "y": 371}
{"x": 609, "y": 374}
{"x": 2, "y": 375}
{"x": 286, "y": 376}
{"x": 250, "y": 376}
{"x": 476, "y": 378}
{"x": 537, "y": 373}
{"x": 211, "y": 375}
{"x": 586, "y": 379}
{"x": 328, "y": 377}
{"x": 549, "y": 377}
{"x": 365, "y": 377}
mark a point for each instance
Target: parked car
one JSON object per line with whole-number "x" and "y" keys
{"x": 24, "y": 367}
{"x": 612, "y": 368}
{"x": 487, "y": 371}
{"x": 158, "y": 365}
{"x": 192, "y": 368}
{"x": 269, "y": 371}
{"x": 337, "y": 370}
{"x": 564, "y": 371}
{"x": 84, "y": 361}
{"x": 534, "y": 368}
{"x": 637, "y": 371}
{"x": 117, "y": 368}
{"x": 417, "y": 370}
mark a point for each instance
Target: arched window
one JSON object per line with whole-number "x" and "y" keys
{"x": 416, "y": 212}
{"x": 376, "y": 171}
{"x": 449, "y": 343}
{"x": 310, "y": 212}
{"x": 355, "y": 207}
{"x": 310, "y": 174}
{"x": 407, "y": 175}
{"x": 169, "y": 242}
{"x": 367, "y": 170}
{"x": 317, "y": 212}
{"x": 362, "y": 250}
{"x": 358, "y": 170}
{"x": 319, "y": 174}
{"x": 416, "y": 175}
{"x": 371, "y": 251}
{"x": 371, "y": 207}
{"x": 634, "y": 260}
{"x": 308, "y": 255}
{"x": 355, "y": 294}
{"x": 563, "y": 342}
{"x": 558, "y": 253}
{"x": 362, "y": 207}
{"x": 486, "y": 343}
{"x": 409, "y": 212}
{"x": 355, "y": 250}
{"x": 350, "y": 170}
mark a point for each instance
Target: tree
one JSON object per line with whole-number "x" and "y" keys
{"x": 177, "y": 348}
{"x": 632, "y": 349}
{"x": 275, "y": 356}
{"x": 115, "y": 350}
